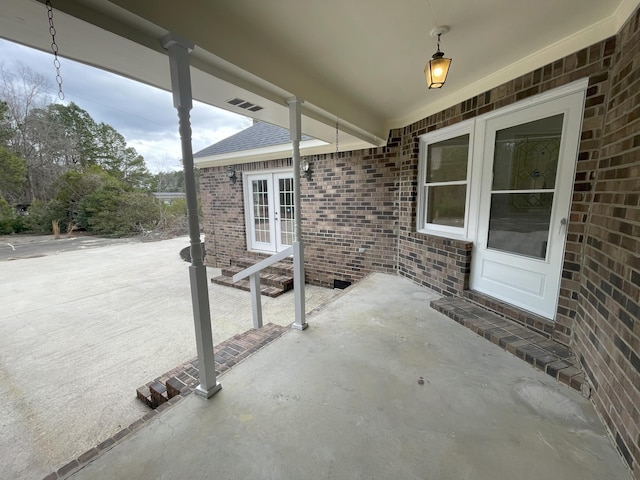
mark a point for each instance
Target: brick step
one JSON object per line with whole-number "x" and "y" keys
{"x": 156, "y": 393}
{"x": 284, "y": 267}
{"x": 267, "y": 290}
{"x": 285, "y": 282}
{"x": 182, "y": 380}
{"x": 539, "y": 351}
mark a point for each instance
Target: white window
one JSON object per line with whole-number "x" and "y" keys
{"x": 443, "y": 181}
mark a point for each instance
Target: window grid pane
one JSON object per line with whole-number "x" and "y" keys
{"x": 287, "y": 216}
{"x": 446, "y": 205}
{"x": 445, "y": 182}
{"x": 260, "y": 196}
{"x": 447, "y": 160}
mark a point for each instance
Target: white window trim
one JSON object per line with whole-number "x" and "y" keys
{"x": 460, "y": 233}
{"x": 476, "y": 130}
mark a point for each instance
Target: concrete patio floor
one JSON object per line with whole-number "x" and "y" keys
{"x": 379, "y": 386}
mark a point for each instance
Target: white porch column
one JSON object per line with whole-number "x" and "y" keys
{"x": 179, "y": 49}
{"x": 298, "y": 245}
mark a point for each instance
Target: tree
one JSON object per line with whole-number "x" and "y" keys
{"x": 13, "y": 171}
{"x": 168, "y": 182}
{"x": 6, "y": 130}
{"x": 117, "y": 211}
{"x": 22, "y": 91}
{"x": 119, "y": 160}
{"x": 72, "y": 169}
{"x": 75, "y": 144}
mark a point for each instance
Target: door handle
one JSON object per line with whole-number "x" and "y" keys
{"x": 563, "y": 224}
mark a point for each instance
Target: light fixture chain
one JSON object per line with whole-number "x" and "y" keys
{"x": 54, "y": 49}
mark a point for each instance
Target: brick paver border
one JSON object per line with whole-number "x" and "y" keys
{"x": 540, "y": 352}
{"x": 227, "y": 354}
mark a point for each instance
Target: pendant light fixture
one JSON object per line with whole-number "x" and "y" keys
{"x": 438, "y": 67}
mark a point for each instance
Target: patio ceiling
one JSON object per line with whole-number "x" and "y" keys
{"x": 361, "y": 60}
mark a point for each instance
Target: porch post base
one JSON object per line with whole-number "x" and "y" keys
{"x": 208, "y": 393}
{"x": 299, "y": 327}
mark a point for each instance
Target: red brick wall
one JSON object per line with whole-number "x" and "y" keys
{"x": 350, "y": 203}
{"x": 607, "y": 327}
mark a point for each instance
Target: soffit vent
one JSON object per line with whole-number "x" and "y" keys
{"x": 240, "y": 103}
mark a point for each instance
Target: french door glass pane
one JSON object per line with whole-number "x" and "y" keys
{"x": 260, "y": 199}
{"x": 519, "y": 223}
{"x": 526, "y": 156}
{"x": 445, "y": 205}
{"x": 285, "y": 187}
{"x": 447, "y": 160}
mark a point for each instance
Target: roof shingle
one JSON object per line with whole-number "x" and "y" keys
{"x": 260, "y": 135}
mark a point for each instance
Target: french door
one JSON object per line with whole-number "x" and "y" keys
{"x": 269, "y": 211}
{"x": 526, "y": 184}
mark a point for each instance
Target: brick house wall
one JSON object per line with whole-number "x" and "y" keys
{"x": 368, "y": 199}
{"x": 607, "y": 327}
{"x": 350, "y": 203}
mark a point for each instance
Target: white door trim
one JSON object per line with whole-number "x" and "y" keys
{"x": 537, "y": 286}
{"x": 271, "y": 176}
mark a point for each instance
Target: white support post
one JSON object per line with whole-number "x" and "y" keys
{"x": 179, "y": 49}
{"x": 256, "y": 303}
{"x": 298, "y": 245}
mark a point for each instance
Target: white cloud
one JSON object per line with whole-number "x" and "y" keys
{"x": 144, "y": 115}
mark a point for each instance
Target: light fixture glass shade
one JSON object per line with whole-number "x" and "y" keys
{"x": 436, "y": 70}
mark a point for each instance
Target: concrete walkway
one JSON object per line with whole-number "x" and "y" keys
{"x": 81, "y": 330}
{"x": 380, "y": 386}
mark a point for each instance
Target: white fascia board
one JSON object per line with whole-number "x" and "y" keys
{"x": 257, "y": 154}
{"x": 310, "y": 147}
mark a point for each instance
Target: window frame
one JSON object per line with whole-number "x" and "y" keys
{"x": 447, "y": 133}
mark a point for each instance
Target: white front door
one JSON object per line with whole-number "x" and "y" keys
{"x": 526, "y": 184}
{"x": 269, "y": 211}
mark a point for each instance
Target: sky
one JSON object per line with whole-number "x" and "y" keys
{"x": 144, "y": 115}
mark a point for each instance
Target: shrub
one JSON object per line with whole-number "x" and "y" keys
{"x": 116, "y": 212}
{"x": 40, "y": 216}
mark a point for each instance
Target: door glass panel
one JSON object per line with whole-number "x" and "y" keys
{"x": 260, "y": 198}
{"x": 526, "y": 156}
{"x": 285, "y": 187}
{"x": 525, "y": 165}
{"x": 445, "y": 205}
{"x": 519, "y": 223}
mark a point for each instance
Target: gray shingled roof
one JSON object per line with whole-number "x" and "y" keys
{"x": 259, "y": 135}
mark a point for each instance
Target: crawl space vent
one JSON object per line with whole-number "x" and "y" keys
{"x": 341, "y": 284}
